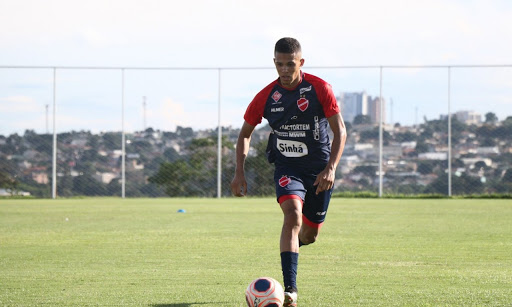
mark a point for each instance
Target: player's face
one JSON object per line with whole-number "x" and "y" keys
{"x": 288, "y": 67}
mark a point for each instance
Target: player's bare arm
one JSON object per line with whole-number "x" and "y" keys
{"x": 239, "y": 184}
{"x": 325, "y": 180}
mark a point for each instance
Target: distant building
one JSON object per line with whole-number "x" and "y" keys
{"x": 466, "y": 117}
{"x": 41, "y": 178}
{"x": 104, "y": 177}
{"x": 359, "y": 103}
{"x": 433, "y": 156}
{"x": 353, "y": 104}
{"x": 469, "y": 117}
{"x": 374, "y": 109}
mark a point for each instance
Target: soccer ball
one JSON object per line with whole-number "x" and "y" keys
{"x": 264, "y": 292}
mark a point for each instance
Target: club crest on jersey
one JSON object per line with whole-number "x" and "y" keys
{"x": 303, "y": 104}
{"x": 284, "y": 181}
{"x": 276, "y": 96}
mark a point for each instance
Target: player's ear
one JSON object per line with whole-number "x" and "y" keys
{"x": 302, "y": 62}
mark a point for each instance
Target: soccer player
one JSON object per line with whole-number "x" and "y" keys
{"x": 298, "y": 107}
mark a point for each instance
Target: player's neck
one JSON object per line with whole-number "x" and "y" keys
{"x": 293, "y": 85}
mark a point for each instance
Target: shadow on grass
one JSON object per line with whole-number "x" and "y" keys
{"x": 187, "y": 304}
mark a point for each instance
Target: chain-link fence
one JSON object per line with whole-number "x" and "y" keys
{"x": 153, "y": 132}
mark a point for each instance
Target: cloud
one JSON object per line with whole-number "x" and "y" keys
{"x": 19, "y": 104}
{"x": 169, "y": 115}
{"x": 337, "y": 32}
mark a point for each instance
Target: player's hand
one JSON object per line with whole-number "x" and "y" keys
{"x": 324, "y": 181}
{"x": 239, "y": 186}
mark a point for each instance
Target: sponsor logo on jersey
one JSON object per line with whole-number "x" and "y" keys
{"x": 295, "y": 127}
{"x": 276, "y": 96}
{"x": 303, "y": 104}
{"x": 291, "y": 134}
{"x": 284, "y": 181}
{"x": 297, "y": 134}
{"x": 292, "y": 149}
{"x": 305, "y": 89}
{"x": 316, "y": 131}
{"x": 321, "y": 213}
{"x": 280, "y": 109}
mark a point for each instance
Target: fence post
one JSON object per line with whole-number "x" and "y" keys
{"x": 449, "y": 135}
{"x": 54, "y": 150}
{"x": 380, "y": 136}
{"x": 123, "y": 140}
{"x": 219, "y": 142}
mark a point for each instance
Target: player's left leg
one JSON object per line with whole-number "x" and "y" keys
{"x": 313, "y": 216}
{"x": 309, "y": 231}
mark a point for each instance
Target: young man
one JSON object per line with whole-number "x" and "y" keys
{"x": 298, "y": 107}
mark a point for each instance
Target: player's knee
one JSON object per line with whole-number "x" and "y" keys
{"x": 293, "y": 218}
{"x": 308, "y": 235}
{"x": 292, "y": 214}
{"x": 308, "y": 239}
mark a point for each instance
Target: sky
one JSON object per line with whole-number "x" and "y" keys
{"x": 354, "y": 38}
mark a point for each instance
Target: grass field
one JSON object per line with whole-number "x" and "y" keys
{"x": 141, "y": 252}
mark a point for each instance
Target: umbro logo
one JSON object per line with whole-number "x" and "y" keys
{"x": 305, "y": 89}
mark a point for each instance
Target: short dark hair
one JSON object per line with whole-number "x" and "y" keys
{"x": 287, "y": 45}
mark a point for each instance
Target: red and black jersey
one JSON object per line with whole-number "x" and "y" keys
{"x": 298, "y": 118}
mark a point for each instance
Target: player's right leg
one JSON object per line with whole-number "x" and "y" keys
{"x": 289, "y": 245}
{"x": 290, "y": 193}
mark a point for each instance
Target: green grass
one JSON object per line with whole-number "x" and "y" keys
{"x": 141, "y": 252}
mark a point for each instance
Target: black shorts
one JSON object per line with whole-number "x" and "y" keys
{"x": 292, "y": 181}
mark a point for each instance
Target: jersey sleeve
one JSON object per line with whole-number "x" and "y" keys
{"x": 328, "y": 100}
{"x": 254, "y": 112}
{"x": 325, "y": 96}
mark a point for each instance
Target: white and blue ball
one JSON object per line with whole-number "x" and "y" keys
{"x": 264, "y": 292}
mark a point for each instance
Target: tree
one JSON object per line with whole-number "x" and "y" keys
{"x": 374, "y": 135}
{"x": 7, "y": 182}
{"x": 406, "y": 137}
{"x": 174, "y": 177}
{"x": 362, "y": 119}
{"x": 460, "y": 185}
{"x": 507, "y": 177}
{"x": 192, "y": 175}
{"x": 481, "y": 165}
{"x": 112, "y": 140}
{"x": 491, "y": 118}
{"x": 425, "y": 167}
{"x": 259, "y": 173}
{"x": 369, "y": 170}
{"x": 87, "y": 185}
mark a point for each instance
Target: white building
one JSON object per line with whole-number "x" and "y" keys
{"x": 433, "y": 156}
{"x": 469, "y": 117}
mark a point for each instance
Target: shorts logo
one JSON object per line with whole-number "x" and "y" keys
{"x": 276, "y": 96}
{"x": 284, "y": 181}
{"x": 303, "y": 104}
